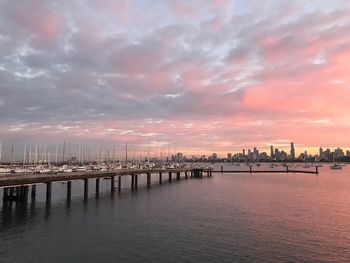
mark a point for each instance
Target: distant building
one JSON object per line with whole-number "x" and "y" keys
{"x": 179, "y": 157}
{"x": 255, "y": 154}
{"x": 272, "y": 155}
{"x": 321, "y": 152}
{"x": 292, "y": 151}
{"x": 249, "y": 154}
{"x": 229, "y": 157}
{"x": 338, "y": 153}
{"x": 276, "y": 154}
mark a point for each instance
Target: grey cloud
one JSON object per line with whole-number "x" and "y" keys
{"x": 108, "y": 75}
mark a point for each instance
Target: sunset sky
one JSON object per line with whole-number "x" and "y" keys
{"x": 199, "y": 76}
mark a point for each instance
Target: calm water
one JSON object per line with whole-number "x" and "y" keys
{"x": 227, "y": 218}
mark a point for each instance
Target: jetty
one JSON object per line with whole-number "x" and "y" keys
{"x": 16, "y": 186}
{"x": 286, "y": 170}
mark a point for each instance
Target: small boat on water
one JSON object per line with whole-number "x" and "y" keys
{"x": 336, "y": 166}
{"x": 81, "y": 169}
{"x": 5, "y": 170}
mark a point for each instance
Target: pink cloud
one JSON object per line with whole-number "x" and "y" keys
{"x": 172, "y": 77}
{"x": 38, "y": 18}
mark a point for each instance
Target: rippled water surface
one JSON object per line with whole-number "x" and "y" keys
{"x": 226, "y": 218}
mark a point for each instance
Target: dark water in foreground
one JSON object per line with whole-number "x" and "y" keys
{"x": 227, "y": 218}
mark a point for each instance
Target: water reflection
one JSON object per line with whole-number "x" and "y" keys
{"x": 260, "y": 218}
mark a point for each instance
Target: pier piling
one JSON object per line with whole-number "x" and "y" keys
{"x": 33, "y": 193}
{"x": 48, "y": 191}
{"x": 198, "y": 173}
{"x": 148, "y": 180}
{"x": 178, "y": 175}
{"x": 69, "y": 190}
{"x": 160, "y": 178}
{"x": 136, "y": 181}
{"x": 97, "y": 186}
{"x": 119, "y": 183}
{"x": 132, "y": 182}
{"x": 24, "y": 193}
{"x": 6, "y": 193}
{"x": 18, "y": 192}
{"x": 86, "y": 188}
{"x": 170, "y": 177}
{"x": 112, "y": 183}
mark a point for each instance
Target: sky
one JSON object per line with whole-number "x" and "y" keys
{"x": 198, "y": 76}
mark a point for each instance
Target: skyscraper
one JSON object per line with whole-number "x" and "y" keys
{"x": 292, "y": 151}
{"x": 321, "y": 152}
{"x": 272, "y": 155}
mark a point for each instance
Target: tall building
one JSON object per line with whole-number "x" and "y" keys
{"x": 292, "y": 151}
{"x": 338, "y": 153}
{"x": 229, "y": 157}
{"x": 277, "y": 154}
{"x": 255, "y": 154}
{"x": 321, "y": 152}
{"x": 272, "y": 155}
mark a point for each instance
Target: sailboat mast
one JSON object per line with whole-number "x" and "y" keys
{"x": 126, "y": 153}
{"x": 148, "y": 152}
{"x": 24, "y": 153}
{"x": 63, "y": 150}
{"x": 0, "y": 149}
{"x": 56, "y": 160}
{"x": 12, "y": 155}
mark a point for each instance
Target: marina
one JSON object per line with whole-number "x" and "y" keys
{"x": 18, "y": 185}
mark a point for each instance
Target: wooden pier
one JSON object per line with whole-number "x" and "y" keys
{"x": 287, "y": 170}
{"x": 16, "y": 186}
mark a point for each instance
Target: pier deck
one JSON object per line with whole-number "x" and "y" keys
{"x": 16, "y": 186}
{"x": 20, "y": 179}
{"x": 269, "y": 171}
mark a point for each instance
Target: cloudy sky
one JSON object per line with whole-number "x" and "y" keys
{"x": 199, "y": 75}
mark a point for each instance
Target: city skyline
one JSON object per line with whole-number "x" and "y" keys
{"x": 99, "y": 152}
{"x": 199, "y": 77}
